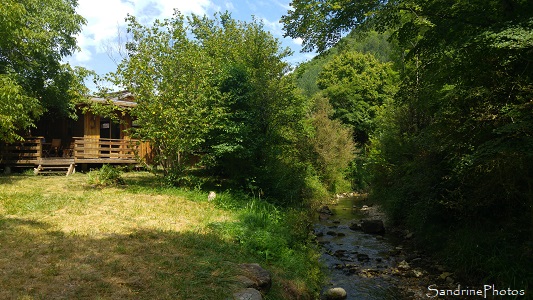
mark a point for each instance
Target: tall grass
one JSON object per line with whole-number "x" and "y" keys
{"x": 276, "y": 237}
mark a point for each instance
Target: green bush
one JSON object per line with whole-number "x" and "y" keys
{"x": 106, "y": 176}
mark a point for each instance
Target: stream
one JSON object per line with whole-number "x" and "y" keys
{"x": 359, "y": 263}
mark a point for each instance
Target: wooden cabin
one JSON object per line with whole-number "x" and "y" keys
{"x": 62, "y": 144}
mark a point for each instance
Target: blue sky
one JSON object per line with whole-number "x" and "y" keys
{"x": 104, "y": 18}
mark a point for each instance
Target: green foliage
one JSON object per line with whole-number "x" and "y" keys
{"x": 215, "y": 88}
{"x": 453, "y": 151}
{"x": 456, "y": 147}
{"x": 171, "y": 79}
{"x": 358, "y": 77}
{"x": 259, "y": 109}
{"x": 107, "y": 175}
{"x": 357, "y": 84}
{"x": 105, "y": 110}
{"x": 36, "y": 36}
{"x": 321, "y": 24}
{"x": 332, "y": 146}
{"x": 377, "y": 44}
{"x": 16, "y": 110}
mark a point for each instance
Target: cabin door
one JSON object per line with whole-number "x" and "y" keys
{"x": 109, "y": 129}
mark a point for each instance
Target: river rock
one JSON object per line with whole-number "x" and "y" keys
{"x": 445, "y": 275}
{"x": 355, "y": 226}
{"x": 363, "y": 257}
{"x": 337, "y": 293}
{"x": 373, "y": 226}
{"x": 325, "y": 210}
{"x": 257, "y": 274}
{"x": 403, "y": 265}
{"x": 449, "y": 280}
{"x": 323, "y": 217}
{"x": 339, "y": 253}
{"x": 248, "y": 294}
{"x": 417, "y": 273}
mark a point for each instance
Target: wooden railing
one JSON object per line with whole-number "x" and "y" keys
{"x": 24, "y": 152}
{"x": 82, "y": 150}
{"x": 87, "y": 148}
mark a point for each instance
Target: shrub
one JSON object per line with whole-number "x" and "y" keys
{"x": 105, "y": 176}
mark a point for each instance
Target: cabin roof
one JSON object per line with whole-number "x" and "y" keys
{"x": 121, "y": 99}
{"x": 117, "y": 102}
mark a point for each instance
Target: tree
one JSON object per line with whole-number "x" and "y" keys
{"x": 332, "y": 145}
{"x": 215, "y": 88}
{"x": 170, "y": 76}
{"x": 357, "y": 84}
{"x": 36, "y": 36}
{"x": 16, "y": 110}
{"x": 321, "y": 24}
{"x": 250, "y": 80}
{"x": 375, "y": 43}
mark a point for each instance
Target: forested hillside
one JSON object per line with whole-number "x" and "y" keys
{"x": 450, "y": 156}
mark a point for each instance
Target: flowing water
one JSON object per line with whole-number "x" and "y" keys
{"x": 357, "y": 262}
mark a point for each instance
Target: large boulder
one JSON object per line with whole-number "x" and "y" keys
{"x": 258, "y": 275}
{"x": 373, "y": 226}
{"x": 248, "y": 294}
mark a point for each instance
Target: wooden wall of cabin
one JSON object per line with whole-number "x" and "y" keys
{"x": 125, "y": 126}
{"x": 91, "y": 127}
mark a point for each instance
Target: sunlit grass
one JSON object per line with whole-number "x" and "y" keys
{"x": 62, "y": 238}
{"x": 73, "y": 206}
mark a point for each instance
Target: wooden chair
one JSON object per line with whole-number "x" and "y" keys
{"x": 54, "y": 149}
{"x": 69, "y": 151}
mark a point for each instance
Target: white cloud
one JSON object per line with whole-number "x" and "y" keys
{"x": 298, "y": 41}
{"x": 283, "y": 5}
{"x": 274, "y": 27}
{"x": 229, "y": 6}
{"x": 105, "y": 17}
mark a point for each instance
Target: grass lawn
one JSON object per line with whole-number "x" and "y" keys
{"x": 61, "y": 238}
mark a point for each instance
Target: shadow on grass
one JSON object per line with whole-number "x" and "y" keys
{"x": 39, "y": 262}
{"x": 12, "y": 178}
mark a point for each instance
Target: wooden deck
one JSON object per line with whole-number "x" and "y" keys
{"x": 81, "y": 151}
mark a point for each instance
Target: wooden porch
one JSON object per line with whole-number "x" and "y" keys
{"x": 80, "y": 150}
